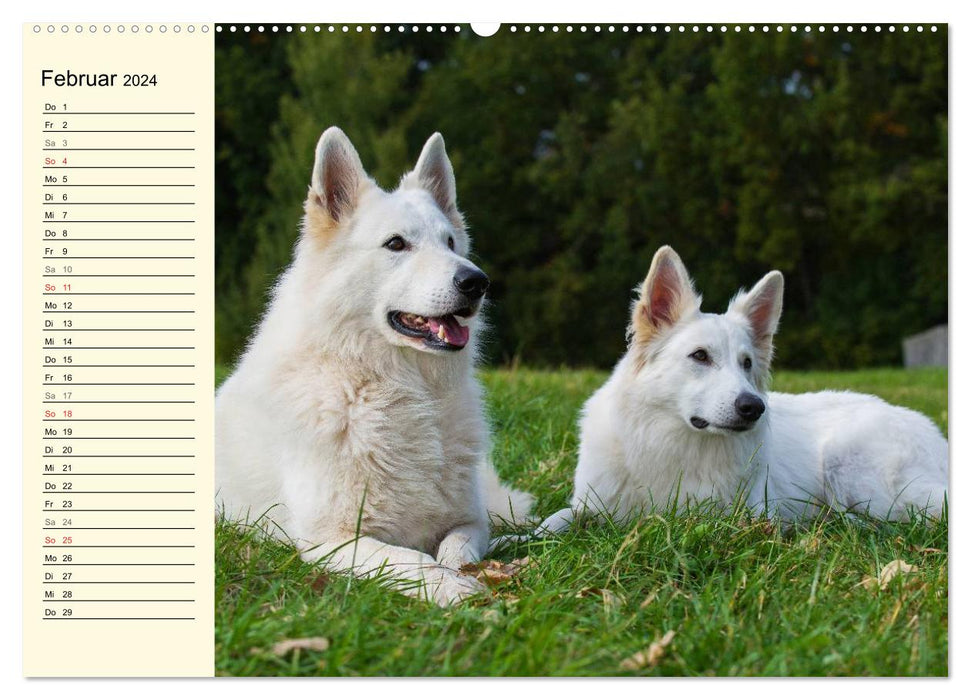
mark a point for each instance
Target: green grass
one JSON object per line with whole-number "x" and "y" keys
{"x": 743, "y": 596}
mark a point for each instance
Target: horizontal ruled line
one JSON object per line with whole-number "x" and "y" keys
{"x": 118, "y": 528}
{"x": 127, "y": 456}
{"x": 73, "y": 474}
{"x": 117, "y": 257}
{"x": 118, "y": 546}
{"x": 118, "y": 221}
{"x": 119, "y": 330}
{"x": 112, "y": 184}
{"x": 115, "y": 420}
{"x": 119, "y": 510}
{"x": 119, "y": 600}
{"x": 120, "y": 311}
{"x": 118, "y": 347}
{"x": 118, "y": 131}
{"x": 125, "y": 564}
{"x": 72, "y": 491}
{"x": 128, "y": 240}
{"x": 72, "y": 617}
{"x": 119, "y": 294}
{"x": 117, "y": 149}
{"x": 72, "y": 401}
{"x": 117, "y": 437}
{"x": 116, "y": 204}
{"x": 118, "y": 167}
{"x": 73, "y": 583}
{"x": 115, "y": 383}
{"x": 118, "y": 366}
{"x": 56, "y": 113}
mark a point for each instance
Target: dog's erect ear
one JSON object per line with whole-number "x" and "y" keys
{"x": 338, "y": 175}
{"x": 762, "y": 306}
{"x": 666, "y": 296}
{"x": 433, "y": 173}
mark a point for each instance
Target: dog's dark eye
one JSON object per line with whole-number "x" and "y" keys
{"x": 747, "y": 363}
{"x": 451, "y": 243}
{"x": 700, "y": 356}
{"x": 396, "y": 244}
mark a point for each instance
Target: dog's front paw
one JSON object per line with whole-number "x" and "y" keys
{"x": 456, "y": 559}
{"x": 461, "y": 547}
{"x": 446, "y": 587}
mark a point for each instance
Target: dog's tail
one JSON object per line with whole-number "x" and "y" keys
{"x": 505, "y": 504}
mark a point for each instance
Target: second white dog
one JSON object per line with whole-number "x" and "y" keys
{"x": 686, "y": 416}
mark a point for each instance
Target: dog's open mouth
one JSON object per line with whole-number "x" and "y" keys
{"x": 442, "y": 332}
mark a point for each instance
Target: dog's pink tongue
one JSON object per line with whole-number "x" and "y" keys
{"x": 455, "y": 333}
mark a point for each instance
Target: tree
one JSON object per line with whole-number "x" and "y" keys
{"x": 333, "y": 81}
{"x": 821, "y": 154}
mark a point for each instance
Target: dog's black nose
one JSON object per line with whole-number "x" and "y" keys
{"x": 471, "y": 281}
{"x": 749, "y": 407}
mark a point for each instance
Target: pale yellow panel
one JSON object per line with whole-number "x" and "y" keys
{"x": 118, "y": 348}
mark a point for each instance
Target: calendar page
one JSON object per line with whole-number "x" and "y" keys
{"x": 485, "y": 350}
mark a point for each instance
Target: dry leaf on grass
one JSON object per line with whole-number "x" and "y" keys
{"x": 648, "y": 658}
{"x": 611, "y": 600}
{"x": 888, "y": 573}
{"x": 492, "y": 572}
{"x": 285, "y": 646}
{"x": 319, "y": 582}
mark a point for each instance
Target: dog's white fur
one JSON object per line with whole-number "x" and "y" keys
{"x": 367, "y": 448}
{"x": 640, "y": 449}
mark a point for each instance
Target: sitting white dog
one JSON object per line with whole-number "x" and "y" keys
{"x": 354, "y": 421}
{"x": 685, "y": 417}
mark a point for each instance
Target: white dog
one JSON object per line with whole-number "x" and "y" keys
{"x": 685, "y": 416}
{"x": 354, "y": 420}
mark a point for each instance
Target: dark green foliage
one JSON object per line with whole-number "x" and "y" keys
{"x": 252, "y": 75}
{"x": 821, "y": 154}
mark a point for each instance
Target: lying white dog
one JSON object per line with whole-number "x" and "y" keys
{"x": 685, "y": 417}
{"x": 354, "y": 420}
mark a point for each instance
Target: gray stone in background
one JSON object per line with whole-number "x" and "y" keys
{"x": 927, "y": 349}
